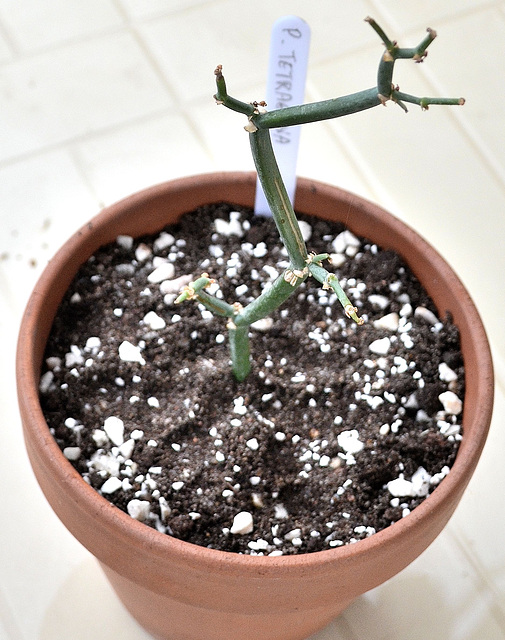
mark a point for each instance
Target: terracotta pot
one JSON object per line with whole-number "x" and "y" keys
{"x": 180, "y": 591}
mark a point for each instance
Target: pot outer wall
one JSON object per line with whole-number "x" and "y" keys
{"x": 180, "y": 591}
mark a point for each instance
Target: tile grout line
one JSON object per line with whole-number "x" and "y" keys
{"x": 179, "y": 107}
{"x": 85, "y": 137}
{"x": 158, "y": 70}
{"x": 442, "y": 19}
{"x": 10, "y": 41}
{"x": 22, "y": 55}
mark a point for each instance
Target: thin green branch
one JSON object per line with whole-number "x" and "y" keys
{"x": 389, "y": 44}
{"x": 330, "y": 281}
{"x": 424, "y": 103}
{"x": 277, "y": 197}
{"x": 270, "y": 299}
{"x": 222, "y": 97}
{"x": 240, "y": 351}
{"x": 217, "y": 306}
{"x": 194, "y": 288}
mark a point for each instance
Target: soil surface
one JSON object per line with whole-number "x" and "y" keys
{"x": 338, "y": 432}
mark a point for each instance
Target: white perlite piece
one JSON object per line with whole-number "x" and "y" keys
{"x": 260, "y": 250}
{"x": 73, "y": 357}
{"x": 452, "y": 404}
{"x": 163, "y": 241}
{"x": 126, "y": 449}
{"x": 111, "y": 485}
{"x": 380, "y": 346}
{"x": 426, "y": 314}
{"x": 139, "y": 509}
{"x": 418, "y": 486}
{"x": 306, "y": 230}
{"x": 337, "y": 259}
{"x": 265, "y": 324}
{"x": 349, "y": 441}
{"x": 378, "y": 301}
{"x": 421, "y": 482}
{"x": 125, "y": 242}
{"x": 253, "y": 444}
{"x": 100, "y": 437}
{"x": 46, "y": 381}
{"x": 128, "y": 352}
{"x": 239, "y": 406}
{"x": 154, "y": 321}
{"x": 231, "y": 228}
{"x": 401, "y": 488}
{"x": 445, "y": 373}
{"x": 142, "y": 252}
{"x": 344, "y": 242}
{"x": 242, "y": 523}
{"x": 165, "y": 271}
{"x": 280, "y": 512}
{"x": 390, "y": 322}
{"x": 93, "y": 344}
{"x": 175, "y": 285}
{"x": 114, "y": 428}
{"x": 72, "y": 453}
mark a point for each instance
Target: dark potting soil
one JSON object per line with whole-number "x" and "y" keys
{"x": 338, "y": 432}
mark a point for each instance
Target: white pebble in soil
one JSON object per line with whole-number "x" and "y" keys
{"x": 154, "y": 321}
{"x": 446, "y": 374}
{"x": 401, "y": 488}
{"x": 163, "y": 241}
{"x": 139, "y": 509}
{"x": 451, "y": 403}
{"x": 111, "y": 485}
{"x": 243, "y": 523}
{"x": 306, "y": 230}
{"x": 114, "y": 428}
{"x": 346, "y": 242}
{"x": 426, "y": 314}
{"x": 380, "y": 346}
{"x": 72, "y": 453}
{"x": 128, "y": 352}
{"x": 265, "y": 324}
{"x": 349, "y": 441}
{"x": 253, "y": 444}
{"x": 174, "y": 286}
{"x": 231, "y": 228}
{"x": 164, "y": 271}
{"x": 389, "y": 322}
{"x": 125, "y": 242}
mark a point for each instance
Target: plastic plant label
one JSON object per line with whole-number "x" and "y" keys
{"x": 287, "y": 72}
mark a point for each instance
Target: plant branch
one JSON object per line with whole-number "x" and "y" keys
{"x": 240, "y": 352}
{"x": 222, "y": 97}
{"x": 301, "y": 263}
{"x": 424, "y": 103}
{"x": 316, "y": 111}
{"x": 270, "y": 299}
{"x": 330, "y": 281}
{"x": 277, "y": 197}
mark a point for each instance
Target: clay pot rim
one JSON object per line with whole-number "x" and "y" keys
{"x": 165, "y": 545}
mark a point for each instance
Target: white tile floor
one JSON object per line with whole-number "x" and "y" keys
{"x": 101, "y": 98}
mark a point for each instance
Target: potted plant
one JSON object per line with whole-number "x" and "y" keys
{"x": 177, "y": 589}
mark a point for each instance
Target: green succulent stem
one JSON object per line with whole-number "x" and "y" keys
{"x": 302, "y": 264}
{"x": 277, "y": 197}
{"x": 240, "y": 351}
